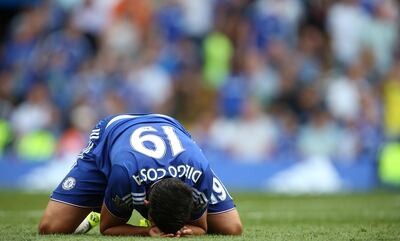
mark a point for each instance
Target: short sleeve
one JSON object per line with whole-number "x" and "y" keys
{"x": 202, "y": 194}
{"x": 118, "y": 196}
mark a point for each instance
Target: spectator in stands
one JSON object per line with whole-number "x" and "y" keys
{"x": 381, "y": 33}
{"x": 319, "y": 137}
{"x": 91, "y": 18}
{"x": 344, "y": 94}
{"x": 346, "y": 21}
{"x": 32, "y": 122}
{"x": 252, "y": 124}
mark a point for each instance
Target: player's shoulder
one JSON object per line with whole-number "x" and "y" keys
{"x": 138, "y": 118}
{"x": 114, "y": 119}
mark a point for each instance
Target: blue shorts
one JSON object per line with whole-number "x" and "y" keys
{"x": 85, "y": 185}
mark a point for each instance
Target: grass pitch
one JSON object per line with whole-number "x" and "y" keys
{"x": 265, "y": 217}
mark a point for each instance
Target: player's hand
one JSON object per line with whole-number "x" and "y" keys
{"x": 156, "y": 232}
{"x": 184, "y": 231}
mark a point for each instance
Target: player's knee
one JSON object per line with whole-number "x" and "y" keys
{"x": 102, "y": 230}
{"x": 48, "y": 227}
{"x": 45, "y": 227}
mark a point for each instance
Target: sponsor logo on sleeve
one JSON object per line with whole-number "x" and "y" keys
{"x": 200, "y": 200}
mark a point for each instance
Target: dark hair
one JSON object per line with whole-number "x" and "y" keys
{"x": 171, "y": 203}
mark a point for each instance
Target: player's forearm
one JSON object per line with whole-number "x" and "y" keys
{"x": 126, "y": 230}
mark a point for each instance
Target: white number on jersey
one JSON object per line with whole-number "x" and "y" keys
{"x": 137, "y": 142}
{"x": 219, "y": 190}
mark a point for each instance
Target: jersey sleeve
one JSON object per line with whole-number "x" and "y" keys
{"x": 202, "y": 194}
{"x": 118, "y": 196}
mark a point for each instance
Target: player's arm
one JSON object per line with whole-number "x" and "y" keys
{"x": 112, "y": 225}
{"x": 117, "y": 207}
{"x": 196, "y": 227}
{"x": 201, "y": 197}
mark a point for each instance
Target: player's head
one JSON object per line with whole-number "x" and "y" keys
{"x": 170, "y": 204}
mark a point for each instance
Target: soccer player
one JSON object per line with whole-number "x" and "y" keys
{"x": 148, "y": 163}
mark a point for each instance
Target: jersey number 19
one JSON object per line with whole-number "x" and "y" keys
{"x": 137, "y": 142}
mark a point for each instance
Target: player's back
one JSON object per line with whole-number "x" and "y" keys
{"x": 150, "y": 147}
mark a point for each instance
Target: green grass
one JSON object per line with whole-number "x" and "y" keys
{"x": 265, "y": 217}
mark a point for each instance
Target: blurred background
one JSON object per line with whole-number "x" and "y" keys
{"x": 282, "y": 95}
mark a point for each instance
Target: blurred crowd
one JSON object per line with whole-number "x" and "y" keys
{"x": 253, "y": 80}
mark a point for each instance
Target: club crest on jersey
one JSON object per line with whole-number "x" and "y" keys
{"x": 69, "y": 183}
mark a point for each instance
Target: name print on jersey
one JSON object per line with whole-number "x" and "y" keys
{"x": 153, "y": 174}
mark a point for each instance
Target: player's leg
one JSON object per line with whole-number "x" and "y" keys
{"x": 226, "y": 223}
{"x": 62, "y": 218}
{"x": 81, "y": 192}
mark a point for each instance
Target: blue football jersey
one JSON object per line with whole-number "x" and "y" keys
{"x": 135, "y": 151}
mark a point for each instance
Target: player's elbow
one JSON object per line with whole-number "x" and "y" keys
{"x": 235, "y": 229}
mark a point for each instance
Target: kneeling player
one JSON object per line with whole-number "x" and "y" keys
{"x": 148, "y": 163}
